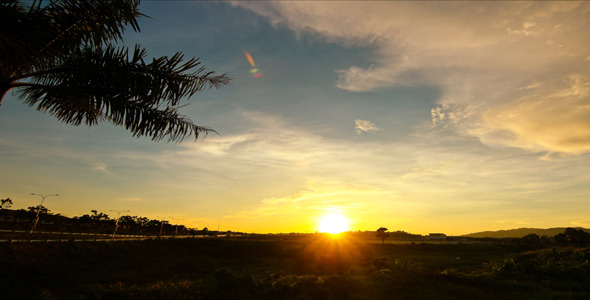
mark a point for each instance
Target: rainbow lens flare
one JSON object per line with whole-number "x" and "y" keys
{"x": 255, "y": 72}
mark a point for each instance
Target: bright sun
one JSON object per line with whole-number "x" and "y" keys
{"x": 333, "y": 223}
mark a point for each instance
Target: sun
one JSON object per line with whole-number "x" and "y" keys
{"x": 333, "y": 223}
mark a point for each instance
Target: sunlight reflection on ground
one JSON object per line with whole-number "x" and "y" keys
{"x": 330, "y": 252}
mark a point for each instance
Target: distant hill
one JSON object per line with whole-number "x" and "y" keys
{"x": 520, "y": 232}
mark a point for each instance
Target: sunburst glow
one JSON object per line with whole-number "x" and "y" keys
{"x": 333, "y": 223}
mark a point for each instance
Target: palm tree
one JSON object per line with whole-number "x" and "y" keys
{"x": 59, "y": 57}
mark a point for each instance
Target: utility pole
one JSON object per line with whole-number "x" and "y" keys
{"x": 161, "y": 228}
{"x": 117, "y": 221}
{"x": 39, "y": 209}
{"x": 176, "y": 225}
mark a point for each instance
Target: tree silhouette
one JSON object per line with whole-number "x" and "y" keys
{"x": 5, "y": 203}
{"x": 38, "y": 209}
{"x": 382, "y": 234}
{"x": 531, "y": 240}
{"x": 59, "y": 58}
{"x": 576, "y": 236}
{"x": 99, "y": 216}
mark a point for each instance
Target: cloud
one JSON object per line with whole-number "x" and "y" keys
{"x": 316, "y": 198}
{"x": 489, "y": 59}
{"x": 130, "y": 199}
{"x": 102, "y": 167}
{"x": 581, "y": 223}
{"x": 554, "y": 117}
{"x": 365, "y": 126}
{"x": 436, "y": 170}
{"x": 272, "y": 150}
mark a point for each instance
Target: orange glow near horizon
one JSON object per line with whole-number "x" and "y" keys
{"x": 333, "y": 223}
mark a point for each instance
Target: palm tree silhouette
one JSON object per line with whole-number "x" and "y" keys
{"x": 59, "y": 57}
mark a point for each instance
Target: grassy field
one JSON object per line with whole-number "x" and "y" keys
{"x": 290, "y": 267}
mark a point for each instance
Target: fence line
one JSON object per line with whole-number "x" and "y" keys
{"x": 68, "y": 240}
{"x": 68, "y": 233}
{"x": 119, "y": 238}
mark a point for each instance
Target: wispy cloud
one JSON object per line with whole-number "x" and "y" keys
{"x": 279, "y": 170}
{"x": 554, "y": 117}
{"x": 581, "y": 223}
{"x": 316, "y": 199}
{"x": 479, "y": 54}
{"x": 365, "y": 126}
{"x": 130, "y": 199}
{"x": 101, "y": 167}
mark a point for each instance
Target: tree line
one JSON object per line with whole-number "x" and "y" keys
{"x": 571, "y": 236}
{"x": 94, "y": 222}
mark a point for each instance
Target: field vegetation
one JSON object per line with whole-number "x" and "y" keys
{"x": 295, "y": 266}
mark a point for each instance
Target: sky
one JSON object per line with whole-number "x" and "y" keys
{"x": 453, "y": 117}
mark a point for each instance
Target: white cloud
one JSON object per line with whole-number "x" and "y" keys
{"x": 485, "y": 57}
{"x": 365, "y": 126}
{"x": 102, "y": 167}
{"x": 554, "y": 117}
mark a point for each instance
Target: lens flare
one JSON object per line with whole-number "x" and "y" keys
{"x": 255, "y": 72}
{"x": 249, "y": 57}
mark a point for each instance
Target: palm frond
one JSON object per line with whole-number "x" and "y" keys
{"x": 22, "y": 36}
{"x": 55, "y": 55}
{"x": 98, "y": 84}
{"x": 91, "y": 22}
{"x": 31, "y": 38}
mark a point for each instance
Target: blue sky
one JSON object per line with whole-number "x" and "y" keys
{"x": 450, "y": 117}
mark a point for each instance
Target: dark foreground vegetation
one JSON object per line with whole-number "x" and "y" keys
{"x": 312, "y": 266}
